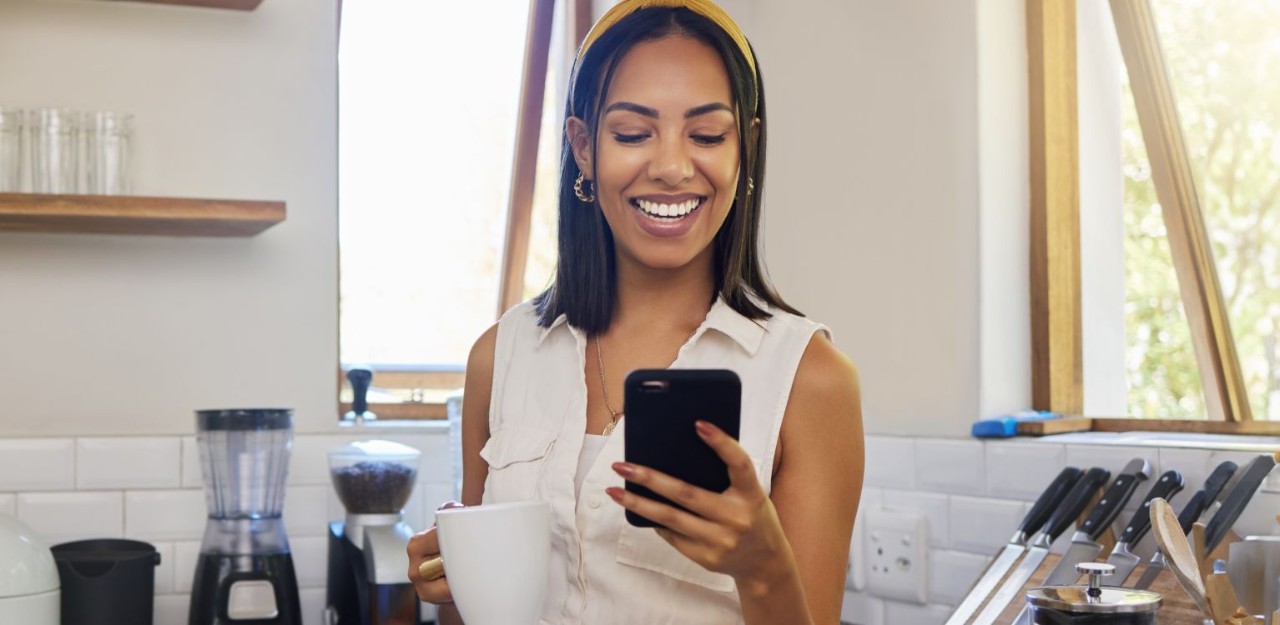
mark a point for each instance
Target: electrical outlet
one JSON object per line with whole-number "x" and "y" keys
{"x": 897, "y": 555}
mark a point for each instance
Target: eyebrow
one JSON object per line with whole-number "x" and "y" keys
{"x": 652, "y": 112}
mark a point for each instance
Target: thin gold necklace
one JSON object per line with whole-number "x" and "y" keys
{"x": 615, "y": 415}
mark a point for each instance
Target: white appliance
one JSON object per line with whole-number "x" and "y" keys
{"x": 29, "y": 590}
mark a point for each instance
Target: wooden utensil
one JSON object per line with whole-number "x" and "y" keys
{"x": 1200, "y": 551}
{"x": 1223, "y": 602}
{"x": 1177, "y": 550}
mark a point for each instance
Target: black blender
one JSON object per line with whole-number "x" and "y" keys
{"x": 368, "y": 580}
{"x": 244, "y": 575}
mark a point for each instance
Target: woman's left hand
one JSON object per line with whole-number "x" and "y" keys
{"x": 736, "y": 532}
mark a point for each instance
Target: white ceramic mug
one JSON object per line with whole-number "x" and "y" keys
{"x": 495, "y": 558}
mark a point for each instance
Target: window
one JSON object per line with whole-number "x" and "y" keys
{"x": 448, "y": 148}
{"x": 1200, "y": 245}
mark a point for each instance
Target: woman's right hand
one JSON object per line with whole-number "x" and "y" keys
{"x": 424, "y": 546}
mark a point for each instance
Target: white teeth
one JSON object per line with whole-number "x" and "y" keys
{"x": 668, "y": 210}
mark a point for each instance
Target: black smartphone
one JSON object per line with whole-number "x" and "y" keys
{"x": 662, "y": 406}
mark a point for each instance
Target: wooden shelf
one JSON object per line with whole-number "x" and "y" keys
{"x": 238, "y": 5}
{"x": 123, "y": 214}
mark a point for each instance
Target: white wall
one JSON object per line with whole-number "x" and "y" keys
{"x": 877, "y": 218}
{"x": 118, "y": 334}
{"x": 873, "y": 212}
{"x": 872, "y": 203}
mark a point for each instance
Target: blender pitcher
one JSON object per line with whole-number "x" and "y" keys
{"x": 244, "y": 573}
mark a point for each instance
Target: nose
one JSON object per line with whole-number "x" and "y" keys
{"x": 671, "y": 163}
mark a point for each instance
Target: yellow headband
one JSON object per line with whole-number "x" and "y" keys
{"x": 705, "y": 8}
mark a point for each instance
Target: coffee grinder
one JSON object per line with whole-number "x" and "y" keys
{"x": 368, "y": 562}
{"x": 244, "y": 574}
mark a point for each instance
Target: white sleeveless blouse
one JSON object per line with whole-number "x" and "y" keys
{"x": 604, "y": 571}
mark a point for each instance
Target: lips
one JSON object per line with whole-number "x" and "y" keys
{"x": 667, "y": 215}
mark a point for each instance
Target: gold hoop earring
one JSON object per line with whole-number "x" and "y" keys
{"x": 587, "y": 197}
{"x": 751, "y": 185}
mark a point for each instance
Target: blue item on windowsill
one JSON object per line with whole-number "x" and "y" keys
{"x": 1007, "y": 426}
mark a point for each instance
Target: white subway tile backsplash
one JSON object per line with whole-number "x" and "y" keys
{"x": 164, "y": 572}
{"x": 890, "y": 462}
{"x": 309, "y": 458}
{"x": 934, "y": 507}
{"x": 1194, "y": 466}
{"x": 1022, "y": 470}
{"x": 1259, "y": 518}
{"x": 192, "y": 477}
{"x": 415, "y": 510}
{"x": 185, "y": 554}
{"x": 1112, "y": 458}
{"x": 952, "y": 573}
{"x": 171, "y": 609}
{"x": 120, "y": 463}
{"x": 871, "y": 496}
{"x": 862, "y": 608}
{"x": 306, "y": 511}
{"x": 62, "y": 517}
{"x": 310, "y": 559}
{"x": 973, "y": 493}
{"x": 955, "y": 467}
{"x": 911, "y": 614}
{"x": 312, "y": 600}
{"x": 37, "y": 464}
{"x": 165, "y": 514}
{"x": 434, "y": 494}
{"x": 336, "y": 510}
{"x": 983, "y": 526}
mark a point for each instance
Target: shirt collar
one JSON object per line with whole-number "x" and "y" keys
{"x": 747, "y": 333}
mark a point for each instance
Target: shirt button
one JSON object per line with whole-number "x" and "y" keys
{"x": 593, "y": 501}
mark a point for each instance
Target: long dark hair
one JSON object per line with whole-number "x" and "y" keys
{"x": 585, "y": 285}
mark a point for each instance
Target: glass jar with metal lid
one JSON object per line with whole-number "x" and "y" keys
{"x": 1093, "y": 604}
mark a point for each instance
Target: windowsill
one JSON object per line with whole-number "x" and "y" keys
{"x": 1186, "y": 440}
{"x": 401, "y": 426}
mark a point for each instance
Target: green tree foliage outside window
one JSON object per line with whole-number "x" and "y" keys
{"x": 1224, "y": 60}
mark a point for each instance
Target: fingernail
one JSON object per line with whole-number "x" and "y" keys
{"x": 614, "y": 493}
{"x": 704, "y": 428}
{"x": 624, "y": 469}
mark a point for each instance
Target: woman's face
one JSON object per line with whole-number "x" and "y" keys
{"x": 667, "y": 167}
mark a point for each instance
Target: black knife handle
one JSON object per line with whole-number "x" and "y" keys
{"x": 1165, "y": 488}
{"x": 1192, "y": 511}
{"x": 1114, "y": 499}
{"x": 1043, "y": 507}
{"x": 1216, "y": 480}
{"x": 1075, "y": 502}
{"x": 1237, "y": 499}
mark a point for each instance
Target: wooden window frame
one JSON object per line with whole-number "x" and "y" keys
{"x": 1057, "y": 359}
{"x": 515, "y": 250}
{"x": 533, "y": 86}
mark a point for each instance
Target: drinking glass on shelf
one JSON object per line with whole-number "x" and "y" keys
{"x": 10, "y": 150}
{"x": 108, "y": 152}
{"x": 53, "y": 151}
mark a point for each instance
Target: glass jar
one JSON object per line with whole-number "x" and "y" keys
{"x": 108, "y": 153}
{"x": 54, "y": 139}
{"x": 374, "y": 477}
{"x": 10, "y": 150}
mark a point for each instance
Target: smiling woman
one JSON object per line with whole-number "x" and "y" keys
{"x": 658, "y": 266}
